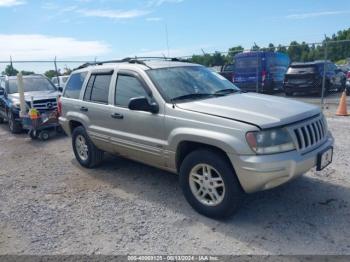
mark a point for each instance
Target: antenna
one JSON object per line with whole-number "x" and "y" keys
{"x": 167, "y": 38}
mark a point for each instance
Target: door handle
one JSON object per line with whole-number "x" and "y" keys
{"x": 117, "y": 116}
{"x": 84, "y": 109}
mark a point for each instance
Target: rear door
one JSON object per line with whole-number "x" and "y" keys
{"x": 276, "y": 66}
{"x": 95, "y": 107}
{"x": 137, "y": 135}
{"x": 247, "y": 71}
{"x": 303, "y": 76}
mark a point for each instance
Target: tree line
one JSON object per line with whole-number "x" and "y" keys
{"x": 11, "y": 71}
{"x": 298, "y": 52}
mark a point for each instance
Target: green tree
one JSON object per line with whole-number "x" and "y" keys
{"x": 51, "y": 73}
{"x": 232, "y": 52}
{"x": 255, "y": 47}
{"x": 10, "y": 71}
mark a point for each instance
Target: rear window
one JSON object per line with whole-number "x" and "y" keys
{"x": 97, "y": 89}
{"x": 229, "y": 68}
{"x": 74, "y": 85}
{"x": 302, "y": 70}
{"x": 247, "y": 62}
{"x": 64, "y": 79}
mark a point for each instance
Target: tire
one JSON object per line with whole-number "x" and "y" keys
{"x": 1, "y": 120}
{"x": 231, "y": 194}
{"x": 44, "y": 135}
{"x": 289, "y": 93}
{"x": 32, "y": 134}
{"x": 93, "y": 157}
{"x": 14, "y": 126}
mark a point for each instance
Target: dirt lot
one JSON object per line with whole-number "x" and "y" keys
{"x": 50, "y": 205}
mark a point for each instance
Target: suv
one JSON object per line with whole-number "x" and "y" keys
{"x": 308, "y": 78}
{"x": 188, "y": 120}
{"x": 37, "y": 89}
{"x": 59, "y": 81}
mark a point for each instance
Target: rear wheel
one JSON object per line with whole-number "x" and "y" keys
{"x": 14, "y": 126}
{"x": 210, "y": 184}
{"x": 87, "y": 154}
{"x": 1, "y": 120}
{"x": 289, "y": 93}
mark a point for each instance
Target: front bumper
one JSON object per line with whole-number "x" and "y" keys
{"x": 262, "y": 172}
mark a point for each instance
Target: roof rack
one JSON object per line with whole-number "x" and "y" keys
{"x": 133, "y": 60}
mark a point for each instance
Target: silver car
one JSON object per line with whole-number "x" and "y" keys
{"x": 191, "y": 121}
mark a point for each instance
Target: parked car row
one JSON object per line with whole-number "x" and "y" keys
{"x": 268, "y": 72}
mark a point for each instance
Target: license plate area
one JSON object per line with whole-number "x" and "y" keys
{"x": 324, "y": 158}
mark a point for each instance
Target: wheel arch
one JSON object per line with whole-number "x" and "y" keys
{"x": 185, "y": 147}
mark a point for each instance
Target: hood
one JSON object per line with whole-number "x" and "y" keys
{"x": 37, "y": 95}
{"x": 260, "y": 110}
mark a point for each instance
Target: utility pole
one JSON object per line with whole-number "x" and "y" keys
{"x": 324, "y": 72}
{"x": 58, "y": 79}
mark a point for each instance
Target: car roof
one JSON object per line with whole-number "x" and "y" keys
{"x": 27, "y": 76}
{"x": 318, "y": 62}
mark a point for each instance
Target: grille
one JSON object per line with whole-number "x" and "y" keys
{"x": 46, "y": 104}
{"x": 310, "y": 134}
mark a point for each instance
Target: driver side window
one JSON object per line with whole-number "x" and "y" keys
{"x": 128, "y": 87}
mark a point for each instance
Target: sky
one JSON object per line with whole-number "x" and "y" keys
{"x": 112, "y": 29}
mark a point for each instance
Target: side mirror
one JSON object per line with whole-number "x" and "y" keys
{"x": 2, "y": 91}
{"x": 142, "y": 104}
{"x": 59, "y": 88}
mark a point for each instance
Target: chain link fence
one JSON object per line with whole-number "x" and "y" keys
{"x": 315, "y": 73}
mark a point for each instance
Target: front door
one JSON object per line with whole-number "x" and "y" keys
{"x": 137, "y": 135}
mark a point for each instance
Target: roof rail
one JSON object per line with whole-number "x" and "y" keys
{"x": 132, "y": 60}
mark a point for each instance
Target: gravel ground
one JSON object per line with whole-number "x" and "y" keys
{"x": 50, "y": 205}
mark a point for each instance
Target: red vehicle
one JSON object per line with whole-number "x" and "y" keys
{"x": 227, "y": 71}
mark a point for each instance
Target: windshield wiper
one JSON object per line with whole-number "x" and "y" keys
{"x": 226, "y": 91}
{"x": 191, "y": 96}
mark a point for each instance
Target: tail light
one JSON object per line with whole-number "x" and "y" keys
{"x": 348, "y": 75}
{"x": 263, "y": 75}
{"x": 59, "y": 106}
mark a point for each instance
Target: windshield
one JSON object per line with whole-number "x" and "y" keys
{"x": 190, "y": 82}
{"x": 31, "y": 84}
{"x": 247, "y": 62}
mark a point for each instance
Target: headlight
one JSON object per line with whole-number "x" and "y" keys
{"x": 270, "y": 141}
{"x": 16, "y": 104}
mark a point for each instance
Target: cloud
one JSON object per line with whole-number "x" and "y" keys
{"x": 8, "y": 3}
{"x": 316, "y": 14}
{"x": 154, "y": 19}
{"x": 160, "y": 2}
{"x": 113, "y": 14}
{"x": 36, "y": 47}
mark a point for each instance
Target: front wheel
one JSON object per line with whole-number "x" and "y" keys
{"x": 87, "y": 154}
{"x": 210, "y": 184}
{"x": 14, "y": 126}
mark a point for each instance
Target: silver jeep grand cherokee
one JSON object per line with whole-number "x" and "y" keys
{"x": 188, "y": 120}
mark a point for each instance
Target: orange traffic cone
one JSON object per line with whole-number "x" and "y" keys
{"x": 342, "y": 109}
